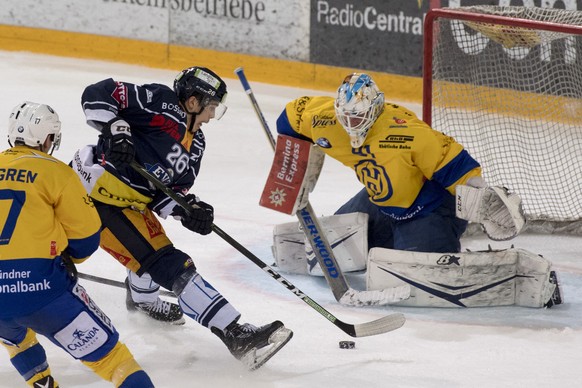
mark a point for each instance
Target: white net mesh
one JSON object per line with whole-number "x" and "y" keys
{"x": 512, "y": 95}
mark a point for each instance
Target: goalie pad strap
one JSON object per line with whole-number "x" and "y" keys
{"x": 469, "y": 279}
{"x": 294, "y": 173}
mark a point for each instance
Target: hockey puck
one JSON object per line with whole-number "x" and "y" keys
{"x": 347, "y": 344}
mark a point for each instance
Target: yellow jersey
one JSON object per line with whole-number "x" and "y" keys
{"x": 44, "y": 210}
{"x": 406, "y": 166}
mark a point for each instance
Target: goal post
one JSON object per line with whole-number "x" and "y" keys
{"x": 506, "y": 82}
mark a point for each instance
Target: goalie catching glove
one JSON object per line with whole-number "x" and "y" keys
{"x": 498, "y": 211}
{"x": 198, "y": 219}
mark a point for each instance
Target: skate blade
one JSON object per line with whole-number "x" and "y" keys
{"x": 177, "y": 322}
{"x": 254, "y": 359}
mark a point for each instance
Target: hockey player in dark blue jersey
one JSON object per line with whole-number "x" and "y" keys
{"x": 160, "y": 128}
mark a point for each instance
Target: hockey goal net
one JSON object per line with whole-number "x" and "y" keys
{"x": 506, "y": 82}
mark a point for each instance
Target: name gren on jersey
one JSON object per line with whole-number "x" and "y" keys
{"x": 17, "y": 175}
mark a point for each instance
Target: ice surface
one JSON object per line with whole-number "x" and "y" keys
{"x": 486, "y": 347}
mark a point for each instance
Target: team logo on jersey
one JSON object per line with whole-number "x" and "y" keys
{"x": 159, "y": 172}
{"x": 277, "y": 196}
{"x": 323, "y": 142}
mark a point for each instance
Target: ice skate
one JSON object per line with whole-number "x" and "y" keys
{"x": 557, "y": 294}
{"x": 160, "y": 310}
{"x": 254, "y": 346}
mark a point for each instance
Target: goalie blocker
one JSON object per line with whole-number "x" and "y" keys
{"x": 293, "y": 175}
{"x": 469, "y": 279}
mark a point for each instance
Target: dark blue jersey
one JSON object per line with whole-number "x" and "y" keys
{"x": 162, "y": 142}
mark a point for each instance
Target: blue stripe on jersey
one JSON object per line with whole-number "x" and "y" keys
{"x": 455, "y": 169}
{"x": 84, "y": 247}
{"x": 284, "y": 128}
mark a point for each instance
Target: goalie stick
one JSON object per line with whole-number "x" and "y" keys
{"x": 378, "y": 326}
{"x": 342, "y": 292}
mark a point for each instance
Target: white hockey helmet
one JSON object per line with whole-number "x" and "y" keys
{"x": 30, "y": 124}
{"x": 358, "y": 104}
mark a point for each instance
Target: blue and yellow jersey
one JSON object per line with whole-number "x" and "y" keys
{"x": 44, "y": 210}
{"x": 406, "y": 166}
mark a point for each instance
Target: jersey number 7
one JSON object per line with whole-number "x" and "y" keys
{"x": 10, "y": 212}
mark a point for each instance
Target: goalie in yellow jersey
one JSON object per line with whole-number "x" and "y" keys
{"x": 410, "y": 172}
{"x": 420, "y": 189}
{"x": 47, "y": 224}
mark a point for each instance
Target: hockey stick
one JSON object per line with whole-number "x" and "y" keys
{"x": 342, "y": 292}
{"x": 114, "y": 283}
{"x": 378, "y": 326}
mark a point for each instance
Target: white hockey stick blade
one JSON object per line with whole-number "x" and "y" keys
{"x": 375, "y": 297}
{"x": 380, "y": 326}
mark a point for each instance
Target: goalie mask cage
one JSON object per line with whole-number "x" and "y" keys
{"x": 506, "y": 82}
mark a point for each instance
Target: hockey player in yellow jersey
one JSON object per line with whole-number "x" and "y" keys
{"x": 410, "y": 172}
{"x": 48, "y": 223}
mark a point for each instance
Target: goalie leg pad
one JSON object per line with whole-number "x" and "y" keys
{"x": 289, "y": 248}
{"x": 348, "y": 237}
{"x": 533, "y": 285}
{"x": 469, "y": 279}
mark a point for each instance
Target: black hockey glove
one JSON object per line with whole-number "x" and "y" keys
{"x": 200, "y": 218}
{"x": 119, "y": 148}
{"x": 69, "y": 265}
